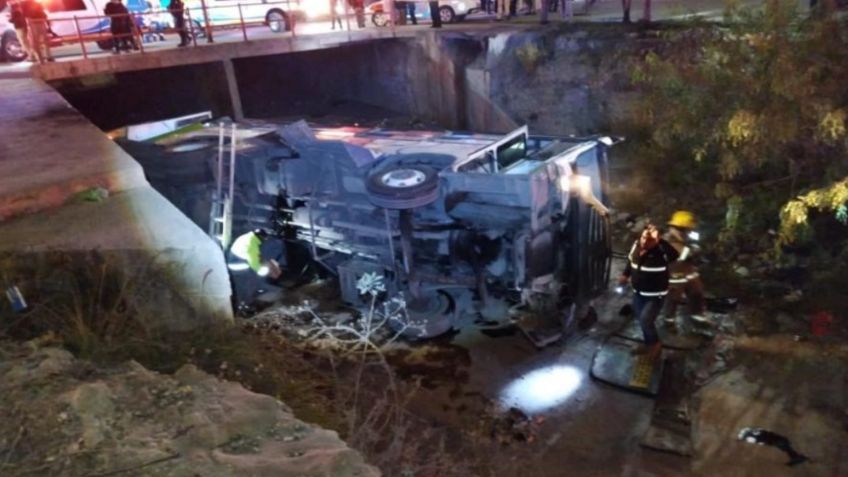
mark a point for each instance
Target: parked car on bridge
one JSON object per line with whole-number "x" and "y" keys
{"x": 450, "y": 11}
{"x": 277, "y": 14}
{"x": 10, "y": 47}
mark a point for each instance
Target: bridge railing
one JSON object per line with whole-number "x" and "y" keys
{"x": 200, "y": 24}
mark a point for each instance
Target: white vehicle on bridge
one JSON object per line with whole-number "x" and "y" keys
{"x": 277, "y": 14}
{"x": 450, "y": 11}
{"x": 65, "y": 15}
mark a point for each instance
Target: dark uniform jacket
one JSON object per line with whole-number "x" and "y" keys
{"x": 648, "y": 272}
{"x": 119, "y": 24}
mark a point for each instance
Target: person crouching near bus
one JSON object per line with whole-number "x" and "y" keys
{"x": 647, "y": 271}
{"x": 253, "y": 262}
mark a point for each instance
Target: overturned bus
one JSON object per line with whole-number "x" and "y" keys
{"x": 457, "y": 223}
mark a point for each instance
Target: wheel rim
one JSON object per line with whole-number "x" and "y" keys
{"x": 403, "y": 178}
{"x": 275, "y": 22}
{"x": 445, "y": 15}
{"x": 14, "y": 50}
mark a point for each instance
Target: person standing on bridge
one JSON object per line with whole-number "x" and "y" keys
{"x": 18, "y": 20}
{"x": 334, "y": 15}
{"x": 120, "y": 24}
{"x": 37, "y": 28}
{"x": 501, "y": 7}
{"x": 434, "y": 15}
{"x": 177, "y": 9}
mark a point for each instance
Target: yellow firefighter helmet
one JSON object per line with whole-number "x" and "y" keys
{"x": 682, "y": 219}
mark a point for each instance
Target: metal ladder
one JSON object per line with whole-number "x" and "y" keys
{"x": 221, "y": 214}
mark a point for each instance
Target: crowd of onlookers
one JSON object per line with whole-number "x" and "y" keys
{"x": 505, "y": 9}
{"x": 33, "y": 30}
{"x": 501, "y": 9}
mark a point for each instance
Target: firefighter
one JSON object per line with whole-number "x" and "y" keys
{"x": 252, "y": 261}
{"x": 685, "y": 284}
{"x": 647, "y": 271}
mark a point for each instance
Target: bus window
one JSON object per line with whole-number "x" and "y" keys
{"x": 512, "y": 152}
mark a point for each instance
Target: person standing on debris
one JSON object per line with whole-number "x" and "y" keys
{"x": 647, "y": 272}
{"x": 684, "y": 284}
{"x": 177, "y": 9}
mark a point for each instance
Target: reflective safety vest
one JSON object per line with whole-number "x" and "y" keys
{"x": 649, "y": 271}
{"x": 682, "y": 270}
{"x": 247, "y": 247}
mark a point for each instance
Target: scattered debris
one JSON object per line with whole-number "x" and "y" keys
{"x": 768, "y": 438}
{"x": 793, "y": 296}
{"x": 92, "y": 194}
{"x": 16, "y": 299}
{"x": 820, "y": 323}
{"x": 515, "y": 426}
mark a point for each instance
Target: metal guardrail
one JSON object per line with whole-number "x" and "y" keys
{"x": 200, "y": 25}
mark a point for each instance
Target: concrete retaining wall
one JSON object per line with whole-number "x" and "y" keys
{"x": 50, "y": 154}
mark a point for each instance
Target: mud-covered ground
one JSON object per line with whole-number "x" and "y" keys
{"x": 499, "y": 406}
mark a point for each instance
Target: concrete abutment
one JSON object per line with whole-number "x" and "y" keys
{"x": 72, "y": 203}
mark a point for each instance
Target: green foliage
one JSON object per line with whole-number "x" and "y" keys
{"x": 757, "y": 106}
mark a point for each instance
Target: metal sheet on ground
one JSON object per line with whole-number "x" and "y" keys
{"x": 670, "y": 428}
{"x": 613, "y": 364}
{"x": 685, "y": 341}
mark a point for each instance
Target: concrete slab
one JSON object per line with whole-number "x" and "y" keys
{"x": 203, "y": 53}
{"x": 613, "y": 364}
{"x": 49, "y": 151}
{"x": 137, "y": 229}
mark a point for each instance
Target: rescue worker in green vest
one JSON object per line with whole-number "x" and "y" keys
{"x": 684, "y": 284}
{"x": 647, "y": 272}
{"x": 252, "y": 261}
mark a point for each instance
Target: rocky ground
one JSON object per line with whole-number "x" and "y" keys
{"x": 64, "y": 417}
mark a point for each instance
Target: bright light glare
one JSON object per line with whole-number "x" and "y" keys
{"x": 564, "y": 183}
{"x": 314, "y": 8}
{"x": 238, "y": 266}
{"x": 263, "y": 271}
{"x": 693, "y": 235}
{"x": 542, "y": 389}
{"x": 582, "y": 184}
{"x": 578, "y": 184}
